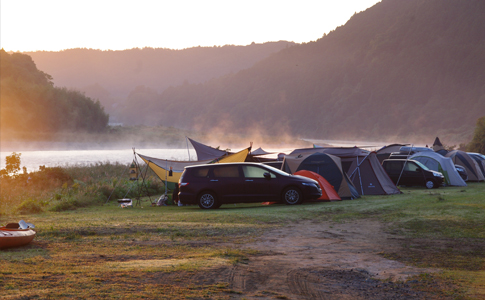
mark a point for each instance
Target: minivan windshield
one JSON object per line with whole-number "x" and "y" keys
{"x": 421, "y": 165}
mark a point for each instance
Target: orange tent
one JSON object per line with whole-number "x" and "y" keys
{"x": 328, "y": 192}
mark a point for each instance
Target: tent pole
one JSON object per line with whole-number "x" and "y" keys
{"x": 361, "y": 187}
{"x": 358, "y": 170}
{"x": 143, "y": 183}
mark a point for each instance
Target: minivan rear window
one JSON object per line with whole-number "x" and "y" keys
{"x": 200, "y": 172}
{"x": 394, "y": 166}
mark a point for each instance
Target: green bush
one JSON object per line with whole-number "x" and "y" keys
{"x": 65, "y": 204}
{"x": 71, "y": 187}
{"x": 29, "y": 206}
{"x": 478, "y": 142}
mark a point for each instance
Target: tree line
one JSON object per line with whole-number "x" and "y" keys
{"x": 31, "y": 106}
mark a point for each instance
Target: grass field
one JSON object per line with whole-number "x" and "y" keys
{"x": 149, "y": 252}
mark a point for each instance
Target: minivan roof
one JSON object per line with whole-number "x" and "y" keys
{"x": 220, "y": 164}
{"x": 399, "y": 159}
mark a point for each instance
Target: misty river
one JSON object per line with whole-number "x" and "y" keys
{"x": 54, "y": 158}
{"x": 33, "y": 159}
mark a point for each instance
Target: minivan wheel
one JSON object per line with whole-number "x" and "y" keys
{"x": 207, "y": 200}
{"x": 430, "y": 184}
{"x": 292, "y": 196}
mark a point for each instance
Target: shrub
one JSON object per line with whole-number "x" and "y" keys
{"x": 29, "y": 206}
{"x": 478, "y": 142}
{"x": 70, "y": 187}
{"x": 63, "y": 205}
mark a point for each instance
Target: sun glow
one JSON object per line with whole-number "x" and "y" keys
{"x": 53, "y": 25}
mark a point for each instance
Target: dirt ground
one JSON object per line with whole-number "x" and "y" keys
{"x": 321, "y": 261}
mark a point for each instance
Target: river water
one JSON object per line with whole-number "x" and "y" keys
{"x": 33, "y": 159}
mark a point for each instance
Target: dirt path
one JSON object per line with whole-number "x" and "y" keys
{"x": 323, "y": 261}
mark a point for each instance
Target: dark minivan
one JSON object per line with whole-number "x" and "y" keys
{"x": 212, "y": 185}
{"x": 412, "y": 173}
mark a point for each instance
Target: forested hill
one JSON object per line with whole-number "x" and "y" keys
{"x": 400, "y": 70}
{"x": 32, "y": 108}
{"x": 117, "y": 73}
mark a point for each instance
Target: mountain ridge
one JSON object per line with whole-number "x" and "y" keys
{"x": 400, "y": 69}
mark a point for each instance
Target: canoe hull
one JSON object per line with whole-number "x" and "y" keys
{"x": 10, "y": 238}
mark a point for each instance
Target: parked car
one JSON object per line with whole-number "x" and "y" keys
{"x": 412, "y": 173}
{"x": 462, "y": 172}
{"x": 212, "y": 185}
{"x": 407, "y": 151}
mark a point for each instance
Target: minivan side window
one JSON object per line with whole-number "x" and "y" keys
{"x": 226, "y": 171}
{"x": 255, "y": 172}
{"x": 201, "y": 172}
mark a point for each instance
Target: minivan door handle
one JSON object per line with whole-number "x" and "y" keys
{"x": 214, "y": 180}
{"x": 249, "y": 180}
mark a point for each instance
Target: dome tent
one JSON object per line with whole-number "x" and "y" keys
{"x": 463, "y": 159}
{"x": 362, "y": 167}
{"x": 328, "y": 166}
{"x": 328, "y": 192}
{"x": 439, "y": 163}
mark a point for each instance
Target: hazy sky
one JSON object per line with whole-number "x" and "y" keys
{"x": 29, "y": 25}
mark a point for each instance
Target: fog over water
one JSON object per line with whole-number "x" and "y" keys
{"x": 53, "y": 158}
{"x": 33, "y": 159}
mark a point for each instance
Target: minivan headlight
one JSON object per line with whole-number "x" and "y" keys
{"x": 437, "y": 174}
{"x": 309, "y": 184}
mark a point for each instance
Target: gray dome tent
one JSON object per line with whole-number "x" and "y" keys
{"x": 326, "y": 165}
{"x": 363, "y": 169}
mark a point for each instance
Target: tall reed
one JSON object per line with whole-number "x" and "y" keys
{"x": 70, "y": 187}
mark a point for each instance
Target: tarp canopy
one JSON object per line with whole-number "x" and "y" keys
{"x": 208, "y": 152}
{"x": 205, "y": 152}
{"x": 463, "y": 159}
{"x": 391, "y": 148}
{"x": 386, "y": 151}
{"x": 259, "y": 152}
{"x": 328, "y": 166}
{"x": 341, "y": 151}
{"x": 437, "y": 145}
{"x": 161, "y": 167}
{"x": 439, "y": 163}
{"x": 328, "y": 192}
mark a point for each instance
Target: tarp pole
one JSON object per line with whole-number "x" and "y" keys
{"x": 407, "y": 158}
{"x": 166, "y": 176}
{"x": 187, "y": 140}
{"x": 114, "y": 187}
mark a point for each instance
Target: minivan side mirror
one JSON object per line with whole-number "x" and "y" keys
{"x": 267, "y": 175}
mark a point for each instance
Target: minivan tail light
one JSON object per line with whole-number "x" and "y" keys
{"x": 183, "y": 184}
